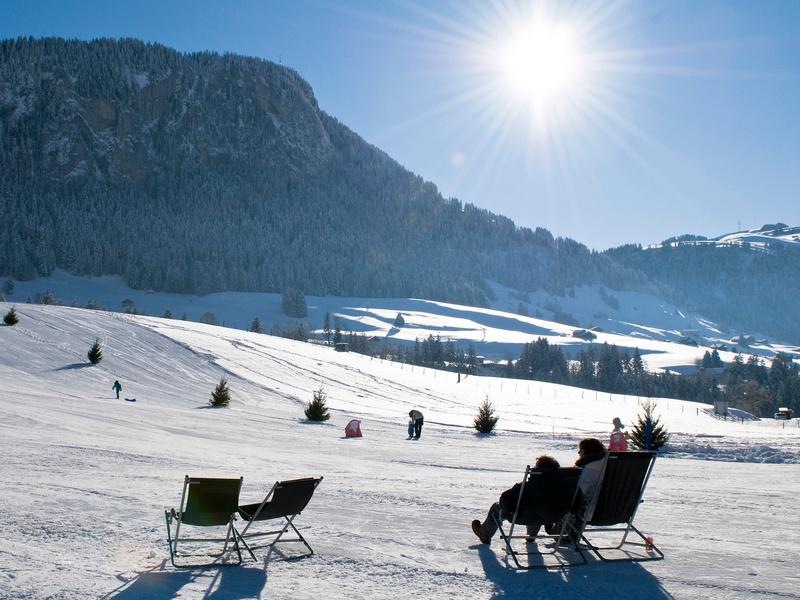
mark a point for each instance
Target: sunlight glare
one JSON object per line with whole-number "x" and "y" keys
{"x": 540, "y": 62}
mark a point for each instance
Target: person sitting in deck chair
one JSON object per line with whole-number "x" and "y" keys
{"x": 591, "y": 453}
{"x": 504, "y": 509}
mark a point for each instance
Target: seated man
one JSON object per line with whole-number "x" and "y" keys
{"x": 532, "y": 512}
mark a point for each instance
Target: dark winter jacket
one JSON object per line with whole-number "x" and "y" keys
{"x": 545, "y": 499}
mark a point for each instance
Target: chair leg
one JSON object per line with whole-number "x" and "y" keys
{"x": 629, "y": 527}
{"x": 168, "y": 518}
{"x": 240, "y": 537}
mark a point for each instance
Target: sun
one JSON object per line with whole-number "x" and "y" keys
{"x": 540, "y": 62}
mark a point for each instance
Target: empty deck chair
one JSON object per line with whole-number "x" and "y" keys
{"x": 205, "y": 502}
{"x": 285, "y": 500}
{"x": 545, "y": 498}
{"x": 617, "y": 498}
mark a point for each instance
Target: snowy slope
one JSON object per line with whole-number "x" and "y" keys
{"x": 777, "y": 234}
{"x": 85, "y": 477}
{"x": 780, "y": 234}
{"x": 628, "y": 319}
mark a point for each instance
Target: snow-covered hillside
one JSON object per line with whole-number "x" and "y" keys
{"x": 773, "y": 234}
{"x": 85, "y": 477}
{"x": 628, "y": 319}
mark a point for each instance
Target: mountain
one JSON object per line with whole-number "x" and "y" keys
{"x": 203, "y": 172}
{"x": 767, "y": 237}
{"x": 200, "y": 173}
{"x": 746, "y": 280}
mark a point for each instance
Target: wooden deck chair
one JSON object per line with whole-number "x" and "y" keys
{"x": 285, "y": 500}
{"x": 544, "y": 498}
{"x": 205, "y": 502}
{"x": 617, "y": 498}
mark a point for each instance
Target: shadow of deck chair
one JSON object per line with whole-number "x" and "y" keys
{"x": 544, "y": 498}
{"x": 617, "y": 499}
{"x": 205, "y": 502}
{"x": 285, "y": 500}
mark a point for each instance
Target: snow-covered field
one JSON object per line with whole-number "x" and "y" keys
{"x": 627, "y": 319}
{"x": 85, "y": 477}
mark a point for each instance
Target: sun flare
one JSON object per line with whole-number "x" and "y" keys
{"x": 541, "y": 62}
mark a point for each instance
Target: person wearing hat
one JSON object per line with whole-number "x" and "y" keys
{"x": 618, "y": 441}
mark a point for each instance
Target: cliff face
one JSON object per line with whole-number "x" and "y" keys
{"x": 106, "y": 109}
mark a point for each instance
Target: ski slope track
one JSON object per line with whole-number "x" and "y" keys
{"x": 85, "y": 477}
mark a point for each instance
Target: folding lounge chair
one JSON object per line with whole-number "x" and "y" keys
{"x": 285, "y": 500}
{"x": 617, "y": 498}
{"x": 205, "y": 502}
{"x": 549, "y": 496}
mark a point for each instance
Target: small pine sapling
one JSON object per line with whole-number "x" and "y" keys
{"x": 647, "y": 432}
{"x": 485, "y": 420}
{"x": 256, "y": 327}
{"x": 95, "y": 353}
{"x": 221, "y": 396}
{"x": 317, "y": 410}
{"x": 11, "y": 317}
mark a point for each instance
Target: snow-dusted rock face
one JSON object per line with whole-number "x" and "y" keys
{"x": 108, "y": 109}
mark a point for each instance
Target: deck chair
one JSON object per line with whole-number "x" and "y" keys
{"x": 285, "y": 500}
{"x": 544, "y": 498}
{"x": 205, "y": 502}
{"x": 617, "y": 498}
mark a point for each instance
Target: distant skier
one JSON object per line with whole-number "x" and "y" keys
{"x": 618, "y": 441}
{"x": 416, "y": 416}
{"x": 117, "y": 387}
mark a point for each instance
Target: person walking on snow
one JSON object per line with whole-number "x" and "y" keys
{"x": 618, "y": 441}
{"x": 117, "y": 387}
{"x": 416, "y": 416}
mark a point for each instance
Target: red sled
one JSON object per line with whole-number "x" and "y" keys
{"x": 353, "y": 429}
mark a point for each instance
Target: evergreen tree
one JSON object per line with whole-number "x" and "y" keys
{"x": 184, "y": 317}
{"x": 209, "y": 318}
{"x": 8, "y": 286}
{"x": 317, "y": 409}
{"x": 95, "y": 353}
{"x": 647, "y": 432}
{"x": 337, "y": 333}
{"x": 399, "y": 321}
{"x": 167, "y": 314}
{"x": 255, "y": 326}
{"x": 326, "y": 327}
{"x": 294, "y": 303}
{"x": 485, "y": 420}
{"x": 471, "y": 360}
{"x": 11, "y": 317}
{"x": 221, "y": 396}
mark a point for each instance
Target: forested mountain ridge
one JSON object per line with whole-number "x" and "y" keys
{"x": 738, "y": 285}
{"x": 205, "y": 172}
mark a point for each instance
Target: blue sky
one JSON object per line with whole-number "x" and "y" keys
{"x": 680, "y": 117}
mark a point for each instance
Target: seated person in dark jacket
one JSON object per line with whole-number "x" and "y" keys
{"x": 533, "y": 507}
